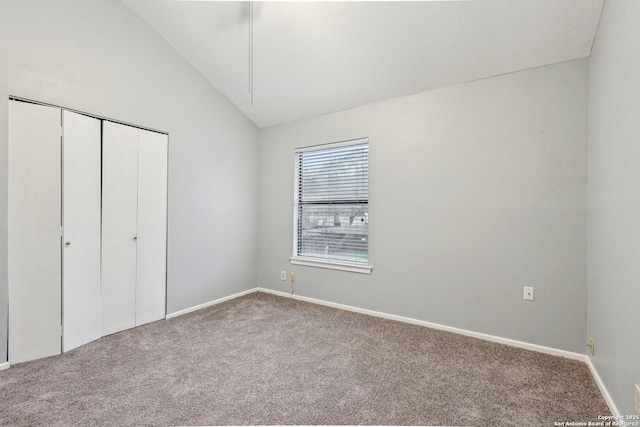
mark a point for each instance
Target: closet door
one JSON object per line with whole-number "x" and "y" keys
{"x": 81, "y": 229}
{"x": 34, "y": 231}
{"x": 119, "y": 214}
{"x": 152, "y": 227}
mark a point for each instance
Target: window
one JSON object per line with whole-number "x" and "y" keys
{"x": 331, "y": 206}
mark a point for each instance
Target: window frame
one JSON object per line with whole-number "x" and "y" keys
{"x": 333, "y": 264}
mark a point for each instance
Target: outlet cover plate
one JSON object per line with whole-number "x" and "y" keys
{"x": 638, "y": 399}
{"x": 529, "y": 293}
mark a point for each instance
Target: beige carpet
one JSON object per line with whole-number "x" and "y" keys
{"x": 262, "y": 359}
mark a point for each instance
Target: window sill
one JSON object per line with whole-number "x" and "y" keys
{"x": 332, "y": 264}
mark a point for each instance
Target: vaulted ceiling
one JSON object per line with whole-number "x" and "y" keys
{"x": 314, "y": 58}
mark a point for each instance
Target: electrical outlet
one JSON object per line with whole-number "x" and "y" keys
{"x": 283, "y": 275}
{"x": 592, "y": 347}
{"x": 529, "y": 293}
{"x": 638, "y": 399}
{"x": 293, "y": 276}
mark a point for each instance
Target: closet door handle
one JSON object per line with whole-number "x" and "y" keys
{"x": 135, "y": 238}
{"x": 67, "y": 243}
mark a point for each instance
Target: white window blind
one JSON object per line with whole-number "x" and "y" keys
{"x": 331, "y": 212}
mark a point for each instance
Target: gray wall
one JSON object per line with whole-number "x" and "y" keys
{"x": 98, "y": 56}
{"x": 614, "y": 201}
{"x": 476, "y": 190}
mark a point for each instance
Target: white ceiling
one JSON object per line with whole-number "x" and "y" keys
{"x": 315, "y": 58}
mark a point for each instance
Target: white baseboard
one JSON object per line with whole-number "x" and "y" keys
{"x": 486, "y": 337}
{"x": 210, "y": 303}
{"x": 4, "y": 366}
{"x": 601, "y": 386}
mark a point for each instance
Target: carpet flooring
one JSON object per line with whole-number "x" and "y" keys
{"x": 264, "y": 359}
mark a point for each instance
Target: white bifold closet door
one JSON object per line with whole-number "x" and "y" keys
{"x": 81, "y": 230}
{"x": 71, "y": 281}
{"x": 134, "y": 211}
{"x": 152, "y": 228}
{"x": 34, "y": 231}
{"x": 119, "y": 212}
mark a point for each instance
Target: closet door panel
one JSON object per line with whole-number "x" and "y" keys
{"x": 152, "y": 227}
{"x": 119, "y": 212}
{"x": 34, "y": 231}
{"x": 81, "y": 222}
